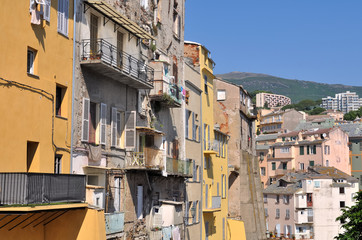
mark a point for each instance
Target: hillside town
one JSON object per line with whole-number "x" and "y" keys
{"x": 115, "y": 126}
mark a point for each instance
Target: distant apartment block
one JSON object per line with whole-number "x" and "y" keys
{"x": 273, "y": 100}
{"x": 305, "y": 205}
{"x": 344, "y": 102}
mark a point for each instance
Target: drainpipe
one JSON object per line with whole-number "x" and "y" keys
{"x": 201, "y": 204}
{"x": 73, "y": 83}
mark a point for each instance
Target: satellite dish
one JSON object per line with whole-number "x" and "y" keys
{"x": 324, "y": 135}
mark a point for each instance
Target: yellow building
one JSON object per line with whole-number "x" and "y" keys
{"x": 215, "y": 166}
{"x": 36, "y": 46}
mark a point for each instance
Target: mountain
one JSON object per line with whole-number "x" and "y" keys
{"x": 295, "y": 89}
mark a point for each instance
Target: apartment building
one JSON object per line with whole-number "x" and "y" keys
{"x": 354, "y": 131}
{"x": 40, "y": 196}
{"x": 280, "y": 121}
{"x": 344, "y": 102}
{"x": 234, "y": 114}
{"x": 272, "y": 100}
{"x": 215, "y": 151}
{"x": 300, "y": 149}
{"x": 262, "y": 147}
{"x": 129, "y": 115}
{"x": 193, "y": 151}
{"x": 305, "y": 205}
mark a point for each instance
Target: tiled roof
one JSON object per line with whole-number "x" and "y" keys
{"x": 352, "y": 129}
{"x": 265, "y": 137}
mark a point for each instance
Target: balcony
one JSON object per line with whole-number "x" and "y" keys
{"x": 166, "y": 92}
{"x": 41, "y": 188}
{"x": 215, "y": 205}
{"x": 301, "y": 202}
{"x": 178, "y": 167}
{"x": 211, "y": 146}
{"x": 149, "y": 159}
{"x": 114, "y": 222}
{"x": 103, "y": 57}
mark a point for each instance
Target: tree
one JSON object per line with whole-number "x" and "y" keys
{"x": 351, "y": 220}
{"x": 350, "y": 116}
{"x": 317, "y": 111}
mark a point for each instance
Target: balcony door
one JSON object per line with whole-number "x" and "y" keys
{"x": 120, "y": 56}
{"x": 93, "y": 35}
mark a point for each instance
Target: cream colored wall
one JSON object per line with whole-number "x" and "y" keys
{"x": 29, "y": 111}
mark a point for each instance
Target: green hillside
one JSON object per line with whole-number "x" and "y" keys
{"x": 295, "y": 89}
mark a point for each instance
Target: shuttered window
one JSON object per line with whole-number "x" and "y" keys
{"x": 85, "y": 120}
{"x": 63, "y": 14}
{"x": 117, "y": 126}
{"x": 130, "y": 129}
{"x": 193, "y": 127}
{"x": 187, "y": 123}
{"x": 103, "y": 123}
{"x": 194, "y": 171}
{"x": 46, "y": 11}
{"x": 114, "y": 127}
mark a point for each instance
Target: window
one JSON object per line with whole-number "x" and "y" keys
{"x": 308, "y": 150}
{"x": 266, "y": 212}
{"x": 327, "y": 163}
{"x": 262, "y": 171}
{"x": 261, "y": 156}
{"x": 32, "y": 154}
{"x": 63, "y": 12}
{"x": 194, "y": 211}
{"x": 92, "y": 180}
{"x": 58, "y": 164}
{"x": 205, "y": 84}
{"x": 188, "y": 114}
{"x": 265, "y": 198}
{"x": 311, "y": 163}
{"x": 194, "y": 129}
{"x": 223, "y": 185}
{"x": 287, "y": 214}
{"x": 314, "y": 149}
{"x": 206, "y": 230}
{"x": 31, "y": 56}
{"x": 60, "y": 105}
{"x": 176, "y": 24}
{"x": 301, "y": 150}
{"x": 284, "y": 165}
{"x": 286, "y": 199}
{"x": 273, "y": 166}
{"x": 221, "y": 95}
{"x": 277, "y": 199}
{"x": 46, "y": 11}
{"x": 353, "y": 197}
{"x": 327, "y": 150}
{"x": 341, "y": 190}
{"x": 301, "y": 166}
{"x": 342, "y": 204}
{"x": 317, "y": 184}
{"x": 284, "y": 150}
{"x": 277, "y": 214}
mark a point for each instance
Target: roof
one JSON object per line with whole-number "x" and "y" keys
{"x": 289, "y": 134}
{"x": 319, "y": 131}
{"x": 116, "y": 17}
{"x": 334, "y": 173}
{"x": 149, "y": 130}
{"x": 352, "y": 129}
{"x": 265, "y": 137}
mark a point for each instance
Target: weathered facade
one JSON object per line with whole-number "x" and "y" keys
{"x": 280, "y": 121}
{"x": 234, "y": 114}
{"x": 129, "y": 139}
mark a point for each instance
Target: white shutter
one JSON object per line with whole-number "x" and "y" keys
{"x": 114, "y": 128}
{"x": 85, "y": 120}
{"x": 60, "y": 15}
{"x": 47, "y": 10}
{"x": 130, "y": 129}
{"x": 103, "y": 122}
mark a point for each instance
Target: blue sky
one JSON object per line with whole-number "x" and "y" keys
{"x": 313, "y": 40}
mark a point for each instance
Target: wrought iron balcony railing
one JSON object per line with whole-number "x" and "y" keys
{"x": 178, "y": 167}
{"x": 100, "y": 49}
{"x": 40, "y": 188}
{"x": 150, "y": 158}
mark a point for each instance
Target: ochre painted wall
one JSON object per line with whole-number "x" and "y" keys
{"x": 87, "y": 224}
{"x": 235, "y": 230}
{"x": 28, "y": 113}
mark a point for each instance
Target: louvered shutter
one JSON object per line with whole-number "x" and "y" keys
{"x": 114, "y": 128}
{"x": 187, "y": 212}
{"x": 194, "y": 170}
{"x": 103, "y": 122}
{"x": 130, "y": 129}
{"x": 66, "y": 16}
{"x": 187, "y": 124}
{"x": 85, "y": 120}
{"x": 47, "y": 10}
{"x": 193, "y": 127}
{"x": 60, "y": 15}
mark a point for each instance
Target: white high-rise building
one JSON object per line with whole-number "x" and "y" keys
{"x": 344, "y": 102}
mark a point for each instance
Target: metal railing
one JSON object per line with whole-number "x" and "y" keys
{"x": 161, "y": 87}
{"x": 40, "y": 188}
{"x": 106, "y": 52}
{"x": 178, "y": 167}
{"x": 149, "y": 158}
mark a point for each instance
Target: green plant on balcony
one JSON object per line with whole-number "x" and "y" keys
{"x": 168, "y": 99}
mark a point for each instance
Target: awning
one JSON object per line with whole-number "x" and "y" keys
{"x": 109, "y": 12}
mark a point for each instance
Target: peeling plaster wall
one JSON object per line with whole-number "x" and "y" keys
{"x": 245, "y": 189}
